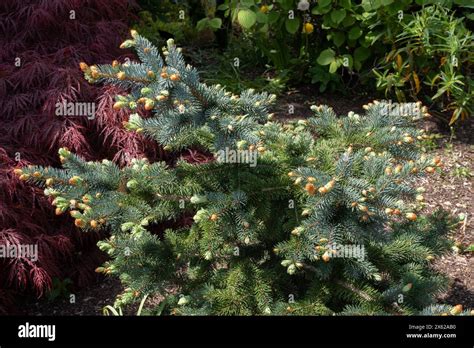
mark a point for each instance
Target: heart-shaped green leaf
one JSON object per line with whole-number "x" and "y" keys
{"x": 292, "y": 25}
{"x": 215, "y": 23}
{"x": 337, "y": 16}
{"x": 355, "y": 33}
{"x": 326, "y": 57}
{"x": 262, "y": 17}
{"x": 338, "y": 38}
{"x": 247, "y": 18}
{"x": 324, "y": 6}
{"x": 361, "y": 54}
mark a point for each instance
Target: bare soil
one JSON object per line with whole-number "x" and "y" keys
{"x": 453, "y": 190}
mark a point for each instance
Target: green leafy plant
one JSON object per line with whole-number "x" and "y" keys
{"x": 433, "y": 60}
{"x": 221, "y": 68}
{"x": 462, "y": 172}
{"x": 339, "y": 37}
{"x": 211, "y": 21}
{"x": 336, "y": 43}
{"x": 160, "y": 20}
{"x": 117, "y": 310}
{"x": 430, "y": 141}
{"x": 274, "y": 32}
{"x": 270, "y": 232}
{"x": 60, "y": 288}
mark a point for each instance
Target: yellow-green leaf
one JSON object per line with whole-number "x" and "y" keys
{"x": 247, "y": 18}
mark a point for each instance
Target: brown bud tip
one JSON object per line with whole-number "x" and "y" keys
{"x": 83, "y": 66}
{"x": 118, "y": 105}
{"x": 174, "y": 77}
{"x": 457, "y": 309}
{"x": 79, "y": 223}
{"x": 121, "y": 75}
{"x": 430, "y": 170}
{"x": 326, "y": 257}
{"x": 74, "y": 180}
{"x": 150, "y": 74}
{"x": 149, "y": 105}
{"x": 310, "y": 188}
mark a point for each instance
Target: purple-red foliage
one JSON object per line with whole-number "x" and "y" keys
{"x": 49, "y": 44}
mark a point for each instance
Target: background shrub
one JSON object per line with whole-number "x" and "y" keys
{"x": 432, "y": 59}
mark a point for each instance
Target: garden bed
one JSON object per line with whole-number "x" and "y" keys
{"x": 350, "y": 211}
{"x": 451, "y": 190}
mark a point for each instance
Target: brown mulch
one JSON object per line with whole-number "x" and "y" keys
{"x": 299, "y": 101}
{"x": 453, "y": 190}
{"x": 88, "y": 301}
{"x": 446, "y": 189}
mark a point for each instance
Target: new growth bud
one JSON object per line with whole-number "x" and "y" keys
{"x": 127, "y": 44}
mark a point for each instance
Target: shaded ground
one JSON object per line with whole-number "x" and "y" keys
{"x": 452, "y": 189}
{"x": 89, "y": 301}
{"x": 296, "y": 103}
